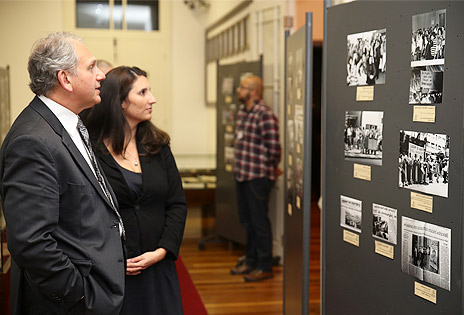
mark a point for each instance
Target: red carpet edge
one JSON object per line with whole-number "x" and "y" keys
{"x": 191, "y": 300}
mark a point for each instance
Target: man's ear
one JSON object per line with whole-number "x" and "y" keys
{"x": 63, "y": 78}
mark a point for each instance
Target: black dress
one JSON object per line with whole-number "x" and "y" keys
{"x": 153, "y": 208}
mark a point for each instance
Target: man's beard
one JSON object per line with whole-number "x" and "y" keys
{"x": 244, "y": 99}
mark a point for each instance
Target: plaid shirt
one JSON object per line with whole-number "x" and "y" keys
{"x": 257, "y": 145}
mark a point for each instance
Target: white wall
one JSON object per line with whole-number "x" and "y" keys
{"x": 193, "y": 123}
{"x": 21, "y": 24}
{"x": 219, "y": 8}
{"x": 178, "y": 79}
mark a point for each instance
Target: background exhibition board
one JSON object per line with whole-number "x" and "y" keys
{"x": 356, "y": 279}
{"x": 228, "y": 79}
{"x": 297, "y": 167}
{"x": 4, "y": 127}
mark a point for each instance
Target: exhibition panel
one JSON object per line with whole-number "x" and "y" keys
{"x": 297, "y": 167}
{"x": 228, "y": 79}
{"x": 393, "y": 158}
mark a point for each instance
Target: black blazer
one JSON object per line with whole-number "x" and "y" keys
{"x": 157, "y": 217}
{"x": 62, "y": 232}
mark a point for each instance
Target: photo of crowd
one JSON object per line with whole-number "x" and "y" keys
{"x": 428, "y": 36}
{"x": 426, "y": 85}
{"x": 367, "y": 58}
{"x": 363, "y": 136}
{"x": 424, "y": 162}
{"x": 427, "y": 57}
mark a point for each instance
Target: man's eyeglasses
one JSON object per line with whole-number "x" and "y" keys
{"x": 244, "y": 87}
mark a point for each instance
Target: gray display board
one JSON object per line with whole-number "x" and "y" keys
{"x": 4, "y": 127}
{"x": 229, "y": 77}
{"x": 297, "y": 167}
{"x": 4, "y": 102}
{"x": 393, "y": 159}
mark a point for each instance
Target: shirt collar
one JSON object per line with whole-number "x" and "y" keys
{"x": 243, "y": 107}
{"x": 67, "y": 118}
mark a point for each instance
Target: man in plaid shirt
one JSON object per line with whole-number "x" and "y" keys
{"x": 257, "y": 154}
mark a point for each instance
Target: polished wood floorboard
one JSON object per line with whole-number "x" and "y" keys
{"x": 223, "y": 293}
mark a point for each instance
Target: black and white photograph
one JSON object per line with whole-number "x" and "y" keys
{"x": 384, "y": 223}
{"x": 427, "y": 57}
{"x": 290, "y": 134}
{"x": 299, "y": 177}
{"x": 298, "y": 73}
{"x": 290, "y": 80}
{"x": 367, "y": 58}
{"x": 428, "y": 38}
{"x": 350, "y": 213}
{"x": 228, "y": 86}
{"x": 424, "y": 162}
{"x": 290, "y": 188}
{"x": 426, "y": 85}
{"x": 299, "y": 124}
{"x": 228, "y": 139}
{"x": 363, "y": 135}
{"x": 426, "y": 252}
{"x": 228, "y": 158}
{"x": 228, "y": 114}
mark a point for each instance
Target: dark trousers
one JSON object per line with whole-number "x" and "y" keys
{"x": 252, "y": 202}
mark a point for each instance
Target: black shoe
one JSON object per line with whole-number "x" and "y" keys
{"x": 258, "y": 275}
{"x": 242, "y": 270}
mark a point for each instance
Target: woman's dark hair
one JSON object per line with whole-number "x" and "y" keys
{"x": 106, "y": 121}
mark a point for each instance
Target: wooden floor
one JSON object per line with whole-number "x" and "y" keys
{"x": 223, "y": 293}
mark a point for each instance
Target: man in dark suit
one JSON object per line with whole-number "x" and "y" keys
{"x": 63, "y": 229}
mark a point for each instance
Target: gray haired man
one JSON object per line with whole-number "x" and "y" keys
{"x": 64, "y": 233}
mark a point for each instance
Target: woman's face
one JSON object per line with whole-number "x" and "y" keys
{"x": 138, "y": 105}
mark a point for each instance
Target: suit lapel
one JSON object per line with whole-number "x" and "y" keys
{"x": 82, "y": 163}
{"x": 56, "y": 125}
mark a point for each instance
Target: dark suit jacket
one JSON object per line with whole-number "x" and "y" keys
{"x": 62, "y": 232}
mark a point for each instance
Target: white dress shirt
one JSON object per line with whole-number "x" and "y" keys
{"x": 69, "y": 121}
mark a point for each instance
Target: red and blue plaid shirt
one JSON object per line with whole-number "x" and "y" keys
{"x": 257, "y": 145}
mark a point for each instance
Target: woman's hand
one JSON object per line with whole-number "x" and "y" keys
{"x": 135, "y": 265}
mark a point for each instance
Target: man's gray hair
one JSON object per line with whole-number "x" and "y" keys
{"x": 50, "y": 55}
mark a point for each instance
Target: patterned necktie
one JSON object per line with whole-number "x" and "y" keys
{"x": 85, "y": 137}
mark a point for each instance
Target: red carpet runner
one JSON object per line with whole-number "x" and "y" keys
{"x": 191, "y": 300}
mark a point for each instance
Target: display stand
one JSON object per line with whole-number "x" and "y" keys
{"x": 393, "y": 158}
{"x": 227, "y": 222}
{"x": 5, "y": 258}
{"x": 297, "y": 167}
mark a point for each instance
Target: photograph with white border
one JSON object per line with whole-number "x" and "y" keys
{"x": 428, "y": 38}
{"x": 426, "y": 252}
{"x": 363, "y": 135}
{"x": 426, "y": 85}
{"x": 427, "y": 57}
{"x": 424, "y": 162}
{"x": 350, "y": 213}
{"x": 384, "y": 223}
{"x": 366, "y": 62}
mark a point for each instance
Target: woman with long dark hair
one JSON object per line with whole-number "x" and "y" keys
{"x": 137, "y": 160}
